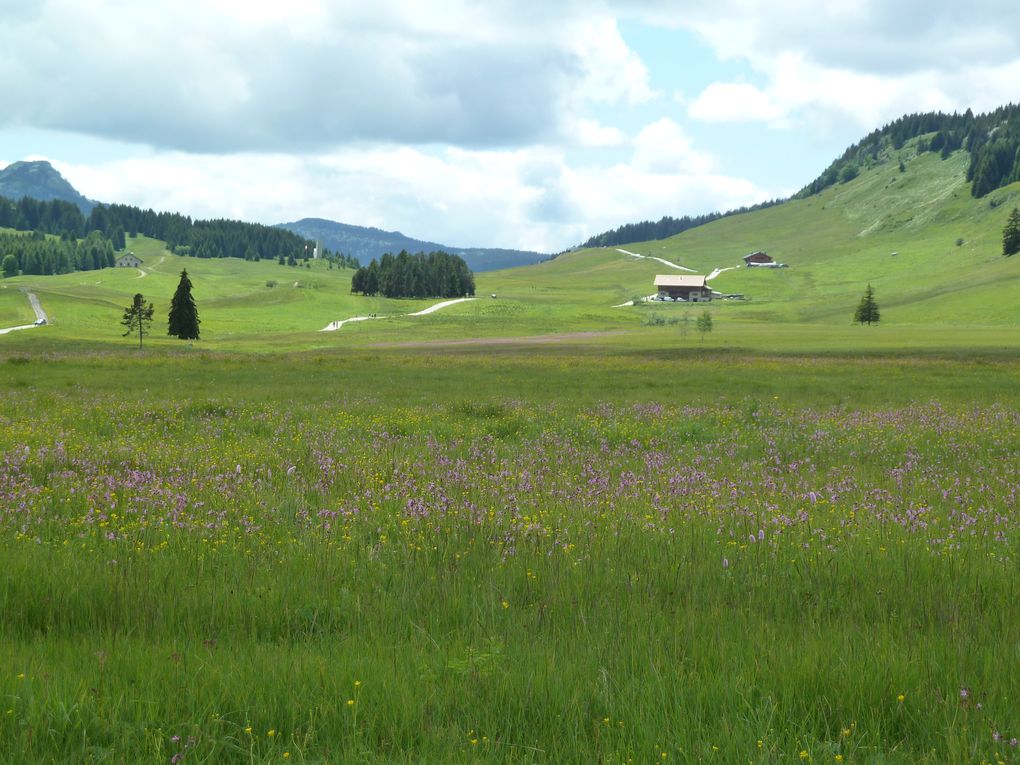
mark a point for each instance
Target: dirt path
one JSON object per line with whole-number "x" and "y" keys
{"x": 652, "y": 257}
{"x": 718, "y": 271}
{"x": 333, "y": 326}
{"x": 40, "y": 315}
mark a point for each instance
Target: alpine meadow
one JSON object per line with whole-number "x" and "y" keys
{"x": 546, "y": 514}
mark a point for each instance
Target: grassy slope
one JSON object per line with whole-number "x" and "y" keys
{"x": 837, "y": 242}
{"x": 933, "y": 293}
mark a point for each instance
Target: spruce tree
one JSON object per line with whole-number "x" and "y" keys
{"x": 867, "y": 310}
{"x": 183, "y": 321}
{"x": 1011, "y": 234}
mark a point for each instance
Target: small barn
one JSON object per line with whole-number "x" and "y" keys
{"x": 692, "y": 289}
{"x": 128, "y": 260}
{"x": 758, "y": 259}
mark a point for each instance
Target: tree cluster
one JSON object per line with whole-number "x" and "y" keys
{"x": 40, "y": 255}
{"x": 438, "y": 274}
{"x": 56, "y": 217}
{"x": 647, "y": 231}
{"x": 992, "y": 141}
{"x": 1011, "y": 234}
{"x": 340, "y": 260}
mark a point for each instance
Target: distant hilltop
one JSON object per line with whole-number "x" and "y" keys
{"x": 367, "y": 244}
{"x": 39, "y": 180}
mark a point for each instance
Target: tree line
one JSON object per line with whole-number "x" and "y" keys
{"x": 992, "y": 140}
{"x": 183, "y": 236}
{"x": 665, "y": 227}
{"x": 40, "y": 255}
{"x": 438, "y": 274}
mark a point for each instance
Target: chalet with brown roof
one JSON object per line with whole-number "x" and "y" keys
{"x": 758, "y": 259}
{"x": 692, "y": 289}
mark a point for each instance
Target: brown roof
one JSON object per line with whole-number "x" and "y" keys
{"x": 669, "y": 280}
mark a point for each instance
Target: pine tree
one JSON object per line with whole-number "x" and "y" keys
{"x": 183, "y": 321}
{"x": 867, "y": 310}
{"x": 138, "y": 317}
{"x": 1011, "y": 234}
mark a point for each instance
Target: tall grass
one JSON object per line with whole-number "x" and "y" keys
{"x": 288, "y": 570}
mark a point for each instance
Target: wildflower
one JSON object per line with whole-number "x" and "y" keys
{"x": 901, "y": 698}
{"x": 805, "y": 754}
{"x": 725, "y": 562}
{"x": 357, "y": 683}
{"x": 996, "y": 736}
{"x": 286, "y": 755}
{"x": 839, "y": 758}
{"x": 271, "y": 733}
{"x": 248, "y": 730}
{"x": 505, "y": 604}
{"x": 350, "y": 702}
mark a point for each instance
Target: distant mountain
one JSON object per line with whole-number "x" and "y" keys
{"x": 39, "y": 180}
{"x": 368, "y": 243}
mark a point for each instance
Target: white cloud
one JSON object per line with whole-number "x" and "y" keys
{"x": 859, "y": 62}
{"x": 663, "y": 148}
{"x": 612, "y": 72}
{"x": 306, "y": 75}
{"x": 734, "y": 102}
{"x": 591, "y": 134}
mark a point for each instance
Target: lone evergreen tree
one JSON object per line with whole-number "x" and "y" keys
{"x": 184, "y": 320}
{"x": 867, "y": 310}
{"x": 1011, "y": 234}
{"x": 137, "y": 318}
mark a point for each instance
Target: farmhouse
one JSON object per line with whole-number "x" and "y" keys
{"x": 693, "y": 289}
{"x": 758, "y": 259}
{"x": 128, "y": 260}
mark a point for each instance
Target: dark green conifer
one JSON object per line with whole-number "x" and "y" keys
{"x": 867, "y": 309}
{"x": 1011, "y": 234}
{"x": 183, "y": 321}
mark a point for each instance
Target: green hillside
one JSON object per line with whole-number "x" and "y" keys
{"x": 947, "y": 268}
{"x": 931, "y": 251}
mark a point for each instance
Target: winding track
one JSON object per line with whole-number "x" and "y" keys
{"x": 40, "y": 314}
{"x": 335, "y": 325}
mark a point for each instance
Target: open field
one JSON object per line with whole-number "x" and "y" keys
{"x": 947, "y": 285}
{"x": 583, "y": 552}
{"x": 531, "y": 528}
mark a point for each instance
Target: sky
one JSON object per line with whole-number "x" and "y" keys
{"x": 529, "y": 124}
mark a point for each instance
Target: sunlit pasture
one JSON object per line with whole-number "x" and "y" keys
{"x": 531, "y": 557}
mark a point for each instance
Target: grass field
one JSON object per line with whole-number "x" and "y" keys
{"x": 946, "y": 286}
{"x": 533, "y": 528}
{"x": 554, "y": 554}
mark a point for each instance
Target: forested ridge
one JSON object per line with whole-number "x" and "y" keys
{"x": 200, "y": 238}
{"x": 992, "y": 140}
